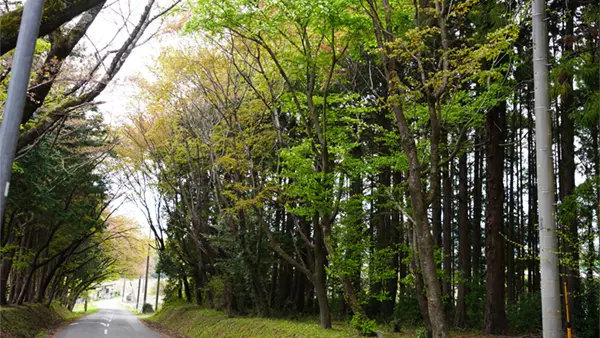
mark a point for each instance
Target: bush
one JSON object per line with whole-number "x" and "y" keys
{"x": 421, "y": 333}
{"x": 364, "y": 326}
{"x": 525, "y": 314}
{"x": 147, "y": 308}
{"x": 475, "y": 302}
{"x": 588, "y": 308}
{"x": 406, "y": 311}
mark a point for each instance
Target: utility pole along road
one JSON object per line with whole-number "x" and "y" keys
{"x": 112, "y": 321}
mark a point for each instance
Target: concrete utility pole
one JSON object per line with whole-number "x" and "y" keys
{"x": 550, "y": 282}
{"x": 123, "y": 295}
{"x": 137, "y": 300}
{"x": 17, "y": 91}
{"x": 147, "y": 265}
{"x": 157, "y": 292}
{"x": 146, "y": 283}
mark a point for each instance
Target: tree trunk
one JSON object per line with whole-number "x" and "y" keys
{"x": 5, "y": 268}
{"x": 510, "y": 254}
{"x": 477, "y": 193}
{"x": 187, "y": 289}
{"x": 495, "y": 321}
{"x": 319, "y": 279}
{"x": 463, "y": 246}
{"x": 419, "y": 285}
{"x": 56, "y": 13}
{"x": 447, "y": 229}
{"x": 567, "y": 163}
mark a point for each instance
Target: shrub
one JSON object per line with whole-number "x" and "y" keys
{"x": 147, "y": 308}
{"x": 524, "y": 314}
{"x": 588, "y": 308}
{"x": 364, "y": 326}
{"x": 406, "y": 311}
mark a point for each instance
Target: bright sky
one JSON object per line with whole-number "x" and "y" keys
{"x": 118, "y": 96}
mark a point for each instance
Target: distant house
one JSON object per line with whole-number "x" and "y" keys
{"x": 106, "y": 290}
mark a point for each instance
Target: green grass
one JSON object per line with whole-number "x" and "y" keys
{"x": 78, "y": 309}
{"x": 194, "y": 321}
{"x": 28, "y": 320}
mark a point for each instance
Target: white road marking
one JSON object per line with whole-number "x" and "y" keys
{"x": 105, "y": 331}
{"x": 74, "y": 323}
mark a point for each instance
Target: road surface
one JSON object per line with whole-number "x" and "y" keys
{"x": 111, "y": 321}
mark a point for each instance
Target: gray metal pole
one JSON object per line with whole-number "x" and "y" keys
{"x": 550, "y": 282}
{"x": 17, "y": 91}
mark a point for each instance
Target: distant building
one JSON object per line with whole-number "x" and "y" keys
{"x": 107, "y": 290}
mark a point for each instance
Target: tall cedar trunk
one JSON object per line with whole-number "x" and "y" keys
{"x": 286, "y": 270}
{"x": 520, "y": 210}
{"x": 351, "y": 281}
{"x": 300, "y": 288}
{"x": 436, "y": 219}
{"x": 387, "y": 309}
{"x": 447, "y": 229}
{"x": 279, "y": 223}
{"x": 383, "y": 234}
{"x": 533, "y": 267}
{"x": 495, "y": 321}
{"x": 477, "y": 192}
{"x": 567, "y": 161}
{"x": 463, "y": 246}
{"x": 596, "y": 158}
{"x": 510, "y": 252}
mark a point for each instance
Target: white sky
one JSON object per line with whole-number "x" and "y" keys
{"x": 118, "y": 96}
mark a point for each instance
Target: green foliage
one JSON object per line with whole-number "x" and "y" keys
{"x": 475, "y": 303}
{"x": 421, "y": 333}
{"x": 366, "y": 327}
{"x": 406, "y": 311}
{"x": 588, "y": 305}
{"x": 524, "y": 314}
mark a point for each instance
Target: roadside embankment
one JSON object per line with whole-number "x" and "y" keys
{"x": 33, "y": 320}
{"x": 193, "y": 321}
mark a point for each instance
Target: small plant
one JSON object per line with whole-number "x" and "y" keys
{"x": 421, "y": 333}
{"x": 364, "y": 326}
{"x": 147, "y": 308}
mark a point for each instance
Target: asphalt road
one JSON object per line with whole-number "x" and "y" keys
{"x": 111, "y": 321}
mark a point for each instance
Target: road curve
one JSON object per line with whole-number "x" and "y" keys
{"x": 111, "y": 321}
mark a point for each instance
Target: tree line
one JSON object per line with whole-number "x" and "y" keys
{"x": 373, "y": 160}
{"x": 59, "y": 236}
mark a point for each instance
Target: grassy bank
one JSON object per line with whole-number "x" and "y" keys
{"x": 193, "y": 321}
{"x": 33, "y": 320}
